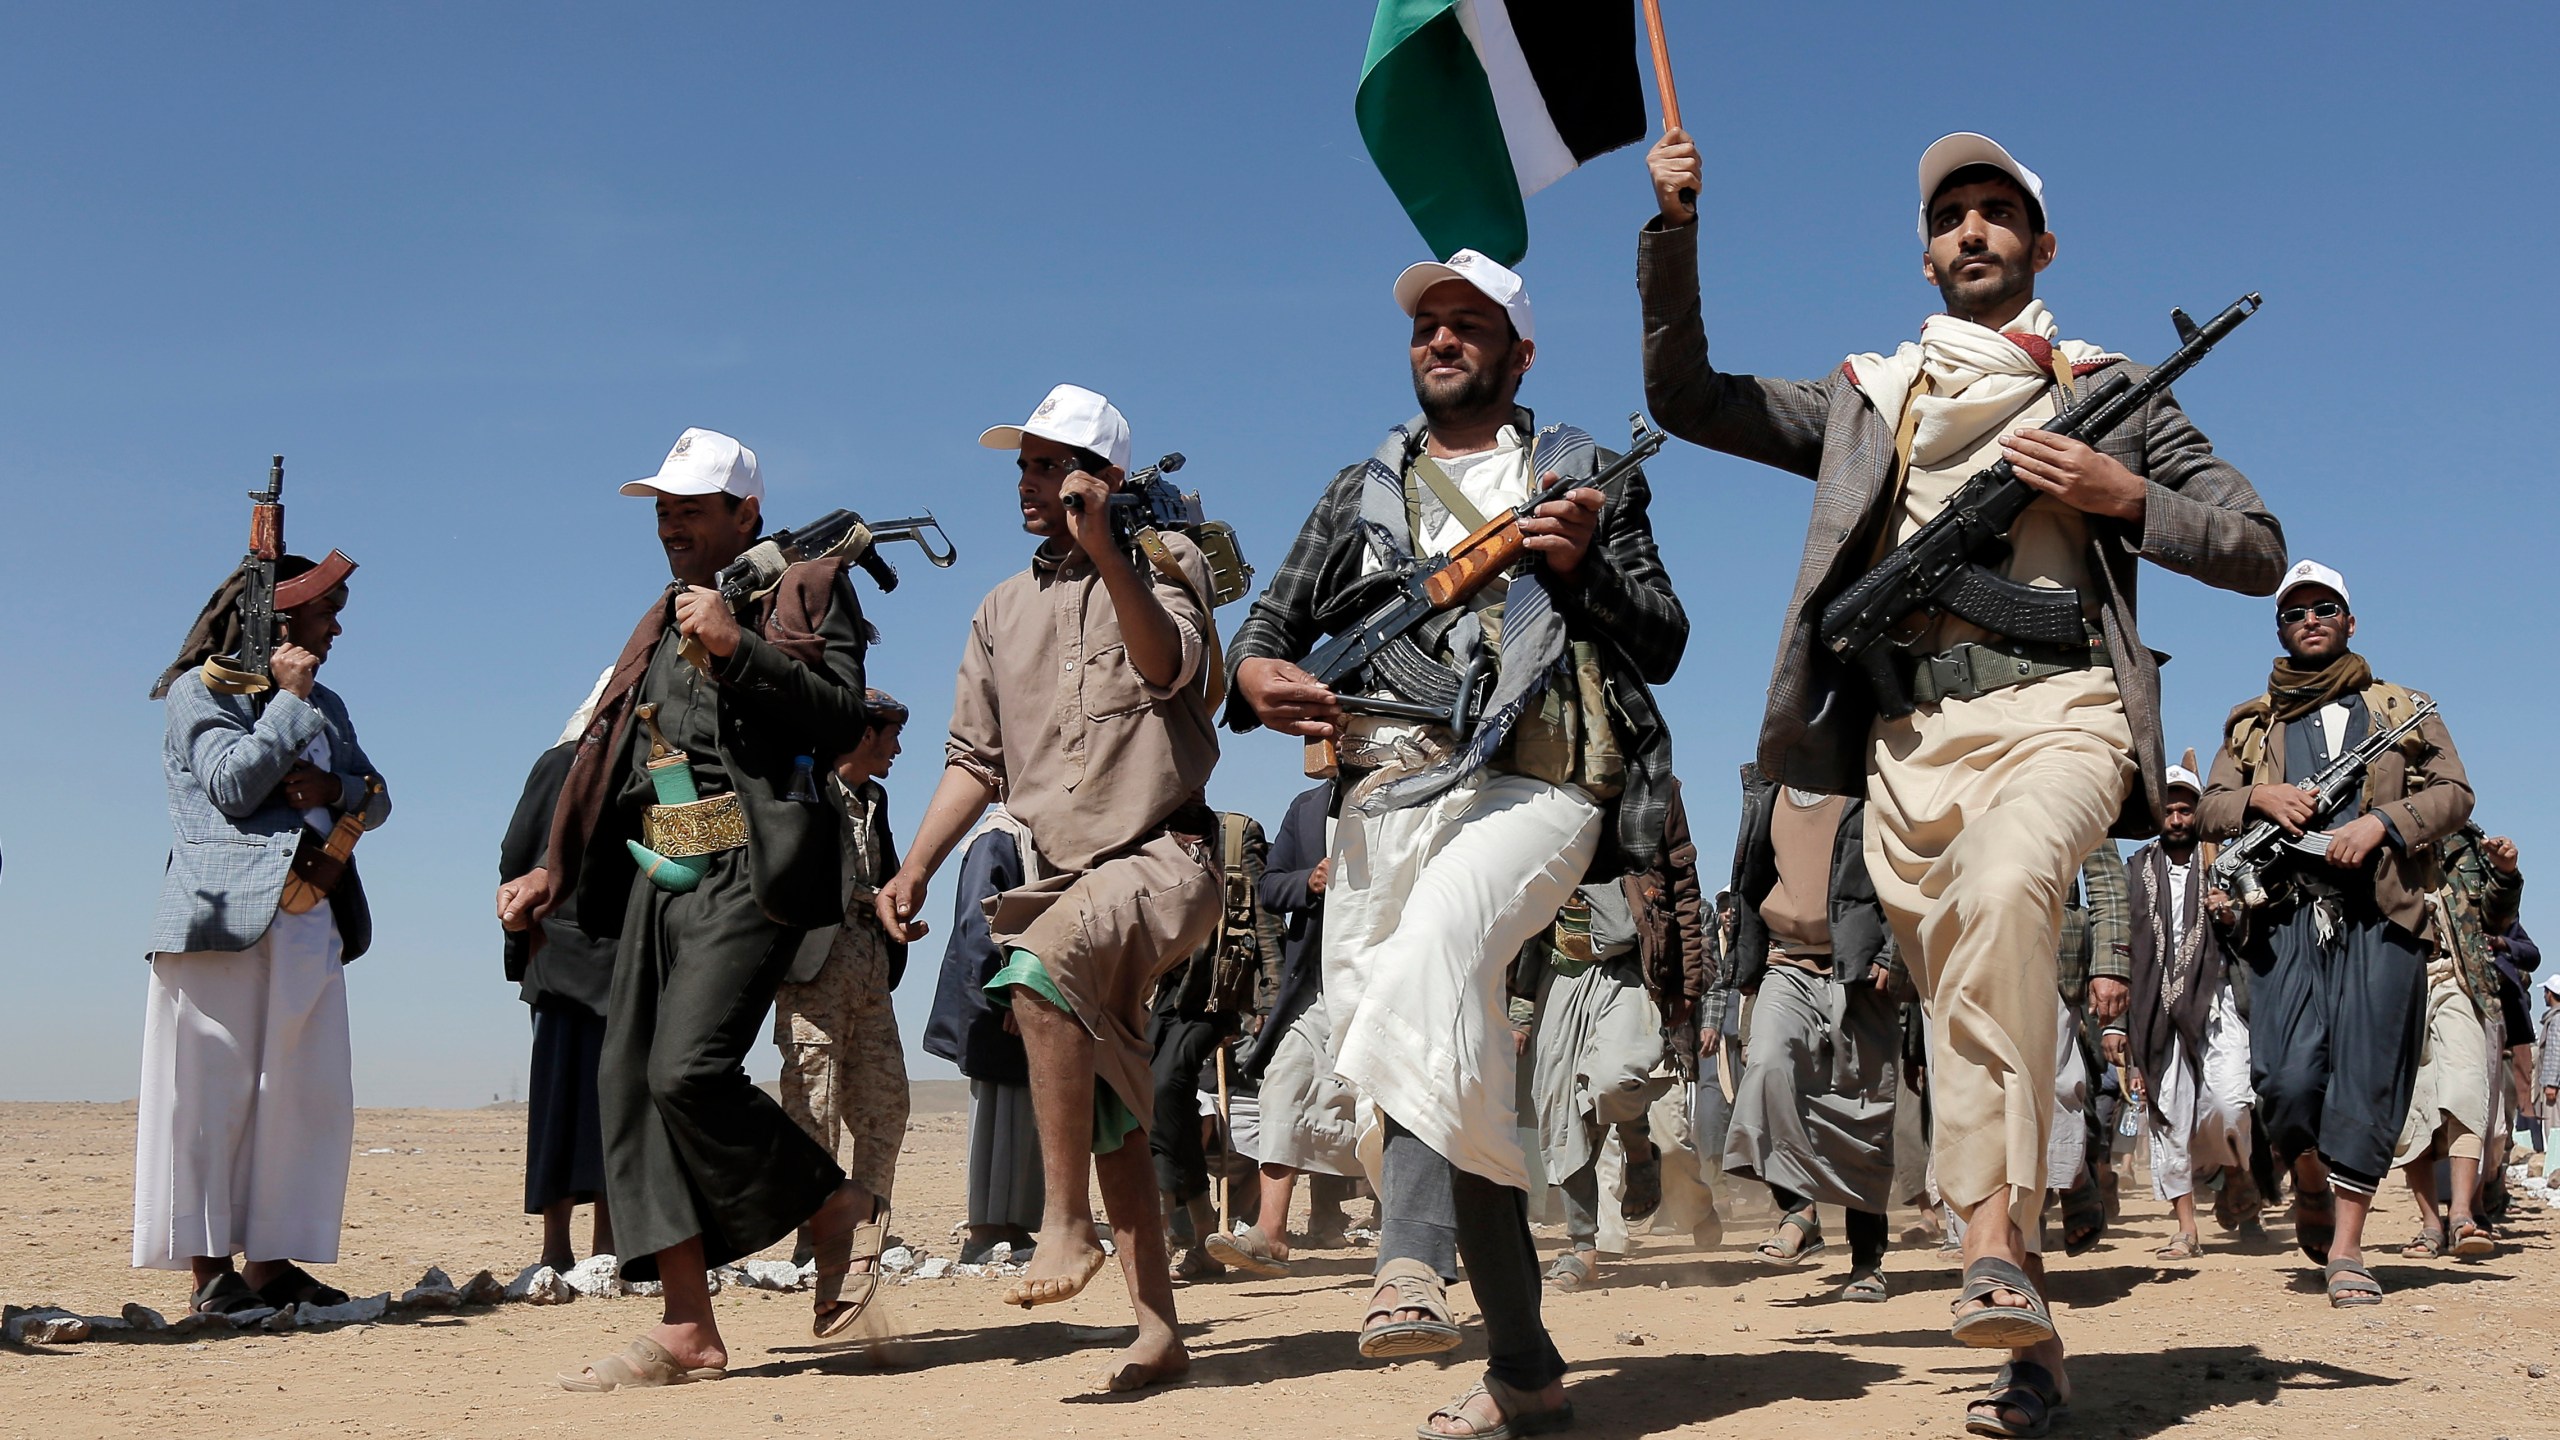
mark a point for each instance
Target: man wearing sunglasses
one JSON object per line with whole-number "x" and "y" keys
{"x": 2338, "y": 961}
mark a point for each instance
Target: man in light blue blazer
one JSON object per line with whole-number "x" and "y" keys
{"x": 247, "y": 1107}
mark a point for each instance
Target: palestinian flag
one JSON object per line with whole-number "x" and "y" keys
{"x": 1471, "y": 106}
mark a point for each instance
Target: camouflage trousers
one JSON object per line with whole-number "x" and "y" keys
{"x": 844, "y": 1072}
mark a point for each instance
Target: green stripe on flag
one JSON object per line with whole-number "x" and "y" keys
{"x": 1426, "y": 112}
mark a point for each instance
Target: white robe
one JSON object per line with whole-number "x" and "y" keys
{"x": 1427, "y": 907}
{"x": 248, "y": 1101}
{"x": 2205, "y": 1128}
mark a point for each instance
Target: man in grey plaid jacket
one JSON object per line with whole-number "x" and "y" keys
{"x": 1448, "y": 857}
{"x": 1981, "y": 804}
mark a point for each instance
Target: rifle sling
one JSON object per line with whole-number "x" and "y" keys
{"x": 1446, "y": 491}
{"x": 1213, "y": 660}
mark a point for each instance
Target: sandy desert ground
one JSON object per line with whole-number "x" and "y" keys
{"x": 1679, "y": 1340}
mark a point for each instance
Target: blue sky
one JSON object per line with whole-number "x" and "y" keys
{"x": 470, "y": 266}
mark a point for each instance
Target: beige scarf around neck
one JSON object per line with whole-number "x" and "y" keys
{"x": 1978, "y": 379}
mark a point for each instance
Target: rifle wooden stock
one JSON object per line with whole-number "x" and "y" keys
{"x": 1475, "y": 561}
{"x": 1323, "y": 760}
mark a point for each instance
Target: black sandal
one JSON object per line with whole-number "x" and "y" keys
{"x": 226, "y": 1294}
{"x": 2350, "y": 1284}
{"x": 2084, "y": 1216}
{"x": 2027, "y": 1388}
{"x": 1808, "y": 1227}
{"x": 2315, "y": 1223}
{"x": 1643, "y": 1192}
{"x": 294, "y": 1285}
{"x": 1996, "y": 1326}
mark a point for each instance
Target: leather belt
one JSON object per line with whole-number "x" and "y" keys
{"x": 699, "y": 827}
{"x": 1979, "y": 667}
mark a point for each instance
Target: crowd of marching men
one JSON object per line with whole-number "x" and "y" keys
{"x": 1474, "y": 972}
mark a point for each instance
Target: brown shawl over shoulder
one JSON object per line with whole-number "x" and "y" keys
{"x": 787, "y": 616}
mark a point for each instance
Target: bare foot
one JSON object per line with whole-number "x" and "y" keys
{"x": 1063, "y": 1264}
{"x": 1152, "y": 1360}
{"x": 1476, "y": 1413}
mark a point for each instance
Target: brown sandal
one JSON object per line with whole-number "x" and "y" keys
{"x": 835, "y": 1310}
{"x": 643, "y": 1365}
{"x": 1416, "y": 1286}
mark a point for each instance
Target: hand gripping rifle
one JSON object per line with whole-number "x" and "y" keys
{"x": 2240, "y": 871}
{"x": 1946, "y": 565}
{"x": 1147, "y": 503}
{"x": 836, "y": 532}
{"x": 246, "y": 670}
{"x": 1382, "y": 646}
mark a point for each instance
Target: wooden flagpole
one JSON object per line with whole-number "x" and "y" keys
{"x": 1662, "y": 80}
{"x": 1662, "y": 65}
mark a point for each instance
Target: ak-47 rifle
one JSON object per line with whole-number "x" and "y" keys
{"x": 246, "y": 670}
{"x": 2240, "y": 871}
{"x": 1382, "y": 643}
{"x": 754, "y": 572}
{"x": 1946, "y": 564}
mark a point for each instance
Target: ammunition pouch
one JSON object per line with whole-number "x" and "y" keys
{"x": 1567, "y": 737}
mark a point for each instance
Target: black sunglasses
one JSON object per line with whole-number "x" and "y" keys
{"x": 2326, "y": 610}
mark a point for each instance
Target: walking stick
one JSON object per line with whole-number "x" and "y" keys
{"x": 1226, "y": 1144}
{"x": 1662, "y": 79}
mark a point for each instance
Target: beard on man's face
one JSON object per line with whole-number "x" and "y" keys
{"x": 1478, "y": 387}
{"x": 1984, "y": 291}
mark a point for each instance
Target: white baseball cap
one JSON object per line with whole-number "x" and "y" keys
{"x": 2180, "y": 777}
{"x": 2551, "y": 983}
{"x": 704, "y": 462}
{"x": 1071, "y": 415}
{"x": 2312, "y": 572}
{"x": 1950, "y": 153}
{"x": 1496, "y": 282}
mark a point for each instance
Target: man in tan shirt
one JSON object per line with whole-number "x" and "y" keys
{"x": 1084, "y": 705}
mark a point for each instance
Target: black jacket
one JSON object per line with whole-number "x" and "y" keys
{"x": 568, "y": 964}
{"x": 1859, "y": 935}
{"x": 773, "y": 711}
{"x": 1295, "y": 853}
{"x": 822, "y": 939}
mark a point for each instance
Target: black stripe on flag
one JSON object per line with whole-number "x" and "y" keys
{"x": 1582, "y": 53}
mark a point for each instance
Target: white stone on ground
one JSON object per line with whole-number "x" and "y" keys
{"x": 596, "y": 1277}
{"x": 934, "y": 1268}
{"x": 540, "y": 1285}
{"x": 44, "y": 1325}
{"x": 772, "y": 1274}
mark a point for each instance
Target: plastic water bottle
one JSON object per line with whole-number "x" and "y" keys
{"x": 804, "y": 781}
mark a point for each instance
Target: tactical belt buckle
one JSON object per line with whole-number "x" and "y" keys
{"x": 700, "y": 827}
{"x": 1974, "y": 669}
